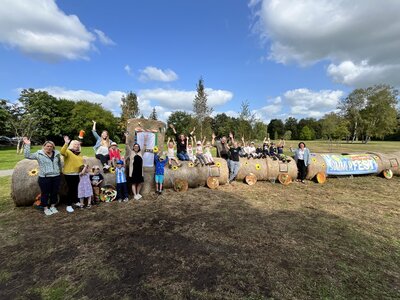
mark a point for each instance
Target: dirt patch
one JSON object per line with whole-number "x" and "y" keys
{"x": 238, "y": 242}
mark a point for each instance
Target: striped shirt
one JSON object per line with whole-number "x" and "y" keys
{"x": 120, "y": 175}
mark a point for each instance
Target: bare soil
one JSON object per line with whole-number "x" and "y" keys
{"x": 340, "y": 240}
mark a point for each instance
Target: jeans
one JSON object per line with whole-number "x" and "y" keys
{"x": 49, "y": 187}
{"x": 183, "y": 156}
{"x": 234, "y": 169}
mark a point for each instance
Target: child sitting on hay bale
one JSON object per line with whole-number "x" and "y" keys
{"x": 171, "y": 153}
{"x": 199, "y": 151}
{"x": 207, "y": 154}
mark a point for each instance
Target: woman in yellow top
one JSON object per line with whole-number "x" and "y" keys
{"x": 72, "y": 161}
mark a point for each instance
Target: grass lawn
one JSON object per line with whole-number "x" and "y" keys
{"x": 340, "y": 240}
{"x": 8, "y": 156}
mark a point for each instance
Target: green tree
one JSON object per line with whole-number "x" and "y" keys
{"x": 276, "y": 129}
{"x": 246, "y": 121}
{"x": 81, "y": 118}
{"x": 5, "y": 117}
{"x": 313, "y": 124}
{"x": 182, "y": 121}
{"x": 260, "y": 130}
{"x": 334, "y": 126}
{"x": 201, "y": 109}
{"x": 222, "y": 124}
{"x": 379, "y": 117}
{"x": 129, "y": 109}
{"x": 153, "y": 114}
{"x": 307, "y": 133}
{"x": 350, "y": 108}
{"x": 291, "y": 125}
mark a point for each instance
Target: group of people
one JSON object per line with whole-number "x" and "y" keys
{"x": 84, "y": 182}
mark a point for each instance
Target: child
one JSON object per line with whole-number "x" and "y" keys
{"x": 189, "y": 149}
{"x": 96, "y": 178}
{"x": 273, "y": 151}
{"x": 159, "y": 174}
{"x": 199, "y": 151}
{"x": 207, "y": 154}
{"x": 84, "y": 187}
{"x": 171, "y": 153}
{"x": 120, "y": 177}
{"x": 114, "y": 153}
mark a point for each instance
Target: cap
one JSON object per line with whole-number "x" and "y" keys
{"x": 113, "y": 144}
{"x": 120, "y": 162}
{"x": 198, "y": 143}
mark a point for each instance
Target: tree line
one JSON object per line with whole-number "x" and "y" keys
{"x": 366, "y": 113}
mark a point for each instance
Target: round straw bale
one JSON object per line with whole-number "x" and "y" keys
{"x": 320, "y": 177}
{"x": 388, "y": 174}
{"x": 388, "y": 161}
{"x": 180, "y": 185}
{"x": 316, "y": 166}
{"x": 285, "y": 179}
{"x": 196, "y": 175}
{"x": 257, "y": 167}
{"x": 250, "y": 179}
{"x": 276, "y": 167}
{"x": 212, "y": 182}
{"x": 24, "y": 182}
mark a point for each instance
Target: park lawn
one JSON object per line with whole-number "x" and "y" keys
{"x": 9, "y": 158}
{"x": 340, "y": 240}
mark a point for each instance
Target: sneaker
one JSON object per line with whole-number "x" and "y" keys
{"x": 119, "y": 200}
{"x": 48, "y": 212}
{"x": 126, "y": 200}
{"x": 70, "y": 209}
{"x": 53, "y": 209}
{"x": 77, "y": 204}
{"x": 139, "y": 196}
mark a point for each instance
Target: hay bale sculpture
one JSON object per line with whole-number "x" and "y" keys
{"x": 25, "y": 188}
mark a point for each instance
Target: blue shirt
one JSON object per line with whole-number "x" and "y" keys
{"x": 160, "y": 164}
{"x": 120, "y": 175}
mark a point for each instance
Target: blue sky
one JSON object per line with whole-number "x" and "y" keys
{"x": 286, "y": 57}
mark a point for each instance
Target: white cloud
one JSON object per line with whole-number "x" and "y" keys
{"x": 128, "y": 69}
{"x": 155, "y": 74}
{"x": 363, "y": 36}
{"x": 178, "y": 99}
{"x": 40, "y": 29}
{"x": 105, "y": 40}
{"x": 299, "y": 103}
{"x": 110, "y": 101}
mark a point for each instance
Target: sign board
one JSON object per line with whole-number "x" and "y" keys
{"x": 351, "y": 164}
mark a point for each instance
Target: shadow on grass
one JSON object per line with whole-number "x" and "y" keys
{"x": 198, "y": 245}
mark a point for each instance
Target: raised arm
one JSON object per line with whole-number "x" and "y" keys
{"x": 231, "y": 137}
{"x": 204, "y": 140}
{"x": 213, "y": 139}
{"x": 95, "y": 134}
{"x": 27, "y": 149}
{"x": 64, "y": 148}
{"x": 191, "y": 133}
{"x": 173, "y": 128}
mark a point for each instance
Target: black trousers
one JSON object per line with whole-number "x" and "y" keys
{"x": 122, "y": 190}
{"x": 72, "y": 183}
{"x": 49, "y": 187}
{"x": 302, "y": 169}
{"x": 103, "y": 158}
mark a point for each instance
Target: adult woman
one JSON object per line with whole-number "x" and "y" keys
{"x": 302, "y": 158}
{"x": 49, "y": 161}
{"x": 181, "y": 144}
{"x": 135, "y": 176}
{"x": 102, "y": 146}
{"x": 72, "y": 162}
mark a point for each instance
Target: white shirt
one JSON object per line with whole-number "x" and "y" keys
{"x": 301, "y": 154}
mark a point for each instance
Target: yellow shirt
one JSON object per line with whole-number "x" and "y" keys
{"x": 72, "y": 162}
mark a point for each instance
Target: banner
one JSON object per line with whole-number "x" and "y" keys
{"x": 352, "y": 164}
{"x": 148, "y": 157}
